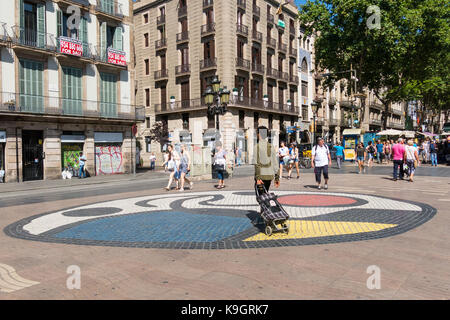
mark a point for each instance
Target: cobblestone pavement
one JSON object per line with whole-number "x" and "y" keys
{"x": 335, "y": 235}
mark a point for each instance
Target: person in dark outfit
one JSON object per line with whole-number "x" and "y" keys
{"x": 266, "y": 163}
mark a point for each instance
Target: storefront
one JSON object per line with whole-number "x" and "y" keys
{"x": 108, "y": 153}
{"x": 72, "y": 144}
{"x": 210, "y": 137}
{"x": 2, "y": 155}
{"x": 241, "y": 143}
{"x": 352, "y": 137}
{"x": 185, "y": 137}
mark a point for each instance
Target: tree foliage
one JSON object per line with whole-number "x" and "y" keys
{"x": 406, "y": 58}
{"x": 159, "y": 132}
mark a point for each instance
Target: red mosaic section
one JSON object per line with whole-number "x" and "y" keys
{"x": 307, "y": 200}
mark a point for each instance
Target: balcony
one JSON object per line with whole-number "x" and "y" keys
{"x": 160, "y": 20}
{"x": 271, "y": 43}
{"x": 375, "y": 122}
{"x": 272, "y": 73}
{"x": 206, "y": 64}
{"x": 183, "y": 37}
{"x": 258, "y": 68}
{"x": 162, "y": 74}
{"x": 282, "y": 47}
{"x": 320, "y": 121}
{"x": 261, "y": 105}
{"x": 109, "y": 8}
{"x": 109, "y": 56}
{"x": 208, "y": 29}
{"x": 395, "y": 125}
{"x": 377, "y": 106}
{"x": 243, "y": 64}
{"x": 293, "y": 52}
{"x": 241, "y": 29}
{"x": 395, "y": 111}
{"x": 292, "y": 31}
{"x": 182, "y": 12}
{"x": 270, "y": 18}
{"x": 256, "y": 11}
{"x": 161, "y": 44}
{"x": 345, "y": 103}
{"x": 257, "y": 36}
{"x": 177, "y": 106}
{"x": 241, "y": 4}
{"x": 183, "y": 69}
{"x": 344, "y": 122}
{"x": 333, "y": 122}
{"x": 293, "y": 79}
{"x": 283, "y": 76}
{"x": 208, "y": 3}
{"x": 14, "y": 104}
{"x": 32, "y": 39}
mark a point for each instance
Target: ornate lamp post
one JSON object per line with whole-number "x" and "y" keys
{"x": 314, "y": 108}
{"x": 216, "y": 99}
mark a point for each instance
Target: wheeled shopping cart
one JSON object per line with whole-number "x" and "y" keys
{"x": 272, "y": 212}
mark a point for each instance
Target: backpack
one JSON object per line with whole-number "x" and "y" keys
{"x": 315, "y": 148}
{"x": 269, "y": 153}
{"x": 371, "y": 149}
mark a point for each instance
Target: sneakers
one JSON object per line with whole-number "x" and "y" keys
{"x": 326, "y": 187}
{"x": 319, "y": 187}
{"x": 181, "y": 189}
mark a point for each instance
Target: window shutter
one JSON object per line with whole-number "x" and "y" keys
{"x": 83, "y": 36}
{"x": 40, "y": 25}
{"x": 22, "y": 19}
{"x": 103, "y": 41}
{"x": 59, "y": 22}
{"x": 118, "y": 38}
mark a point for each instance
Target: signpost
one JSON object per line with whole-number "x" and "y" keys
{"x": 70, "y": 46}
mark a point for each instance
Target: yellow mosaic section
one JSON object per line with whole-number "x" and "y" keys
{"x": 299, "y": 229}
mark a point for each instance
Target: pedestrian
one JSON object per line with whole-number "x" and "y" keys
{"x": 296, "y": 159}
{"x": 411, "y": 159}
{"x": 291, "y": 160}
{"x": 339, "y": 154}
{"x": 82, "y": 161}
{"x": 166, "y": 161}
{"x": 426, "y": 151}
{"x": 433, "y": 153}
{"x": 380, "y": 152}
{"x": 320, "y": 161}
{"x": 361, "y": 154}
{"x": 152, "y": 161}
{"x": 185, "y": 167}
{"x": 283, "y": 154}
{"x": 238, "y": 156}
{"x": 398, "y": 152}
{"x": 370, "y": 149}
{"x": 173, "y": 166}
{"x": 387, "y": 151}
{"x": 220, "y": 162}
{"x": 266, "y": 163}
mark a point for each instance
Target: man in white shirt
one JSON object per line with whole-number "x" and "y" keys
{"x": 283, "y": 154}
{"x": 320, "y": 160}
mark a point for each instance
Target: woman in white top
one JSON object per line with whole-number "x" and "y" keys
{"x": 283, "y": 154}
{"x": 410, "y": 157}
{"x": 173, "y": 165}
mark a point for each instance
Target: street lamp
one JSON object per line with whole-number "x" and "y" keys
{"x": 216, "y": 99}
{"x": 314, "y": 107}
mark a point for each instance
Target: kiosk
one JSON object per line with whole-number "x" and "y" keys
{"x": 351, "y": 138}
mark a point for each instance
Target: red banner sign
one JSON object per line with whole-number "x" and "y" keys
{"x": 116, "y": 57}
{"x": 70, "y": 46}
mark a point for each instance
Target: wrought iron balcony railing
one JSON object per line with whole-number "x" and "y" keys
{"x": 241, "y": 4}
{"x": 33, "y": 38}
{"x": 160, "y": 20}
{"x": 111, "y": 7}
{"x": 256, "y": 11}
{"x": 21, "y": 103}
{"x": 293, "y": 78}
{"x": 284, "y": 76}
{"x": 258, "y": 68}
{"x": 161, "y": 44}
{"x": 208, "y": 63}
{"x": 180, "y": 105}
{"x": 182, "y": 69}
{"x": 161, "y": 74}
{"x": 256, "y": 35}
{"x": 271, "y": 42}
{"x": 270, "y": 18}
{"x": 208, "y": 28}
{"x": 242, "y": 29}
{"x": 243, "y": 63}
{"x": 182, "y": 11}
{"x": 208, "y": 3}
{"x": 183, "y": 36}
{"x": 282, "y": 47}
{"x": 292, "y": 52}
{"x": 272, "y": 73}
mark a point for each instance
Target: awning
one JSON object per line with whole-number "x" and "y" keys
{"x": 409, "y": 134}
{"x": 390, "y": 132}
{"x": 351, "y": 132}
{"x": 107, "y": 137}
{"x": 211, "y": 135}
{"x": 2, "y": 136}
{"x": 66, "y": 138}
{"x": 428, "y": 134}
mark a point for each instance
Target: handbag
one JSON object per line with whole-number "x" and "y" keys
{"x": 219, "y": 164}
{"x": 171, "y": 165}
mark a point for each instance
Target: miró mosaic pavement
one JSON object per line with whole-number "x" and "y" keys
{"x": 224, "y": 220}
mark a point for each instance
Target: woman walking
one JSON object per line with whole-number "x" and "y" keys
{"x": 387, "y": 151}
{"x": 185, "y": 167}
{"x": 411, "y": 158}
{"x": 361, "y": 157}
{"x": 173, "y": 165}
{"x": 220, "y": 162}
{"x": 283, "y": 154}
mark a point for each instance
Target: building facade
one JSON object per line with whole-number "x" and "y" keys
{"x": 182, "y": 44}
{"x": 66, "y": 86}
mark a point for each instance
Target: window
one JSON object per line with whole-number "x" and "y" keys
{"x": 241, "y": 118}
{"x": 72, "y": 91}
{"x": 146, "y": 40}
{"x": 304, "y": 66}
{"x": 147, "y": 122}
{"x": 185, "y": 118}
{"x": 145, "y": 15}
{"x": 255, "y": 120}
{"x": 108, "y": 95}
{"x": 304, "y": 112}
{"x": 147, "y": 97}
{"x": 31, "y": 86}
{"x": 304, "y": 89}
{"x": 32, "y": 20}
{"x": 270, "y": 121}
{"x": 147, "y": 144}
{"x": 147, "y": 67}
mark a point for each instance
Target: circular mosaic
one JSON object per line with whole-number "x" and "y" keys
{"x": 224, "y": 220}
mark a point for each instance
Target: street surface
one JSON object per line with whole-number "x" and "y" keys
{"x": 130, "y": 239}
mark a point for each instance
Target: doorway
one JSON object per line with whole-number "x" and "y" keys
{"x": 32, "y": 155}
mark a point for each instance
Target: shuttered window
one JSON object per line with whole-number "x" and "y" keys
{"x": 108, "y": 95}
{"x": 31, "y": 86}
{"x": 72, "y": 91}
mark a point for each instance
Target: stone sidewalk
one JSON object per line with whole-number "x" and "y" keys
{"x": 414, "y": 265}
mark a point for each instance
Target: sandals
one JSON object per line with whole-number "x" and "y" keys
{"x": 167, "y": 189}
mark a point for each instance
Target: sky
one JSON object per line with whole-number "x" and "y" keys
{"x": 299, "y": 2}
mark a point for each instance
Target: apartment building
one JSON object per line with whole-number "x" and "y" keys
{"x": 66, "y": 87}
{"x": 182, "y": 44}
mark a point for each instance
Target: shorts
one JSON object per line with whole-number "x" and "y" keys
{"x": 184, "y": 169}
{"x": 360, "y": 158}
{"x": 220, "y": 174}
{"x": 370, "y": 156}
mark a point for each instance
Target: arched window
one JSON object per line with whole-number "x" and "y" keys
{"x": 304, "y": 66}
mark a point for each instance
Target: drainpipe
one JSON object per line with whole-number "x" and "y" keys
{"x": 17, "y": 155}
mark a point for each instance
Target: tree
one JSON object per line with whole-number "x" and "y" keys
{"x": 388, "y": 60}
{"x": 159, "y": 132}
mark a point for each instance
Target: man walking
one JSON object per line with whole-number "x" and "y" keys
{"x": 82, "y": 160}
{"x": 339, "y": 154}
{"x": 433, "y": 153}
{"x": 380, "y": 148}
{"x": 266, "y": 163}
{"x": 319, "y": 161}
{"x": 398, "y": 153}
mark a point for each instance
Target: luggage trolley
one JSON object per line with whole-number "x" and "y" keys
{"x": 272, "y": 212}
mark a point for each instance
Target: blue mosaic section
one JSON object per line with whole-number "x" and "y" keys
{"x": 167, "y": 226}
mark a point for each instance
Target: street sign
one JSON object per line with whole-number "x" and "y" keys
{"x": 116, "y": 57}
{"x": 281, "y": 23}
{"x": 70, "y": 46}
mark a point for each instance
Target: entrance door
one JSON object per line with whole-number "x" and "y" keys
{"x": 32, "y": 155}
